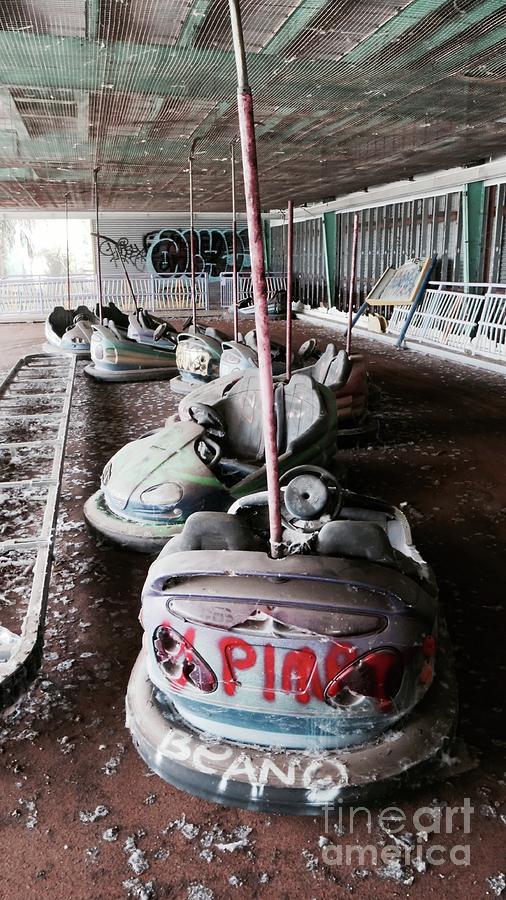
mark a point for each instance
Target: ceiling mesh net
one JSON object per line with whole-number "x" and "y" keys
{"x": 347, "y": 94}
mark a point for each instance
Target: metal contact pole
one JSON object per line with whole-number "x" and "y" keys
{"x": 99, "y": 262}
{"x": 289, "y": 289}
{"x": 235, "y": 293}
{"x": 103, "y": 237}
{"x": 192, "y": 241}
{"x": 253, "y": 210}
{"x": 69, "y": 297}
{"x": 351, "y": 289}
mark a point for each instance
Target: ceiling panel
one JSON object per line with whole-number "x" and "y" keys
{"x": 347, "y": 95}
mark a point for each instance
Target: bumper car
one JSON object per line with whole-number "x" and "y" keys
{"x": 143, "y": 325}
{"x": 117, "y": 357}
{"x": 70, "y": 331}
{"x": 346, "y": 376}
{"x": 204, "y": 357}
{"x": 276, "y": 306}
{"x": 291, "y": 684}
{"x": 240, "y": 355}
{"x": 197, "y": 358}
{"x": 112, "y": 313}
{"x": 151, "y": 486}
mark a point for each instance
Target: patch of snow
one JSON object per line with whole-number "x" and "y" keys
{"x": 110, "y": 834}
{"x": 497, "y": 883}
{"x": 140, "y": 890}
{"x": 199, "y": 892}
{"x": 311, "y": 860}
{"x": 138, "y": 862}
{"x": 99, "y": 813}
{"x": 393, "y": 871}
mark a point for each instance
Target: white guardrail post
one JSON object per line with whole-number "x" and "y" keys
{"x": 275, "y": 282}
{"x": 39, "y": 295}
{"x": 466, "y": 317}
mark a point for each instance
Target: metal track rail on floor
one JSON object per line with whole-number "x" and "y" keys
{"x": 34, "y": 383}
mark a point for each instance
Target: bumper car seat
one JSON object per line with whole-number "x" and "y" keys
{"x": 112, "y": 313}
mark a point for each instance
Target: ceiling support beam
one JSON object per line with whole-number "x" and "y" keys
{"x": 473, "y": 207}
{"x": 391, "y": 30}
{"x": 293, "y": 25}
{"x": 267, "y": 242}
{"x": 86, "y": 64}
{"x": 330, "y": 254}
{"x": 445, "y": 33}
{"x": 196, "y": 15}
{"x": 92, "y": 8}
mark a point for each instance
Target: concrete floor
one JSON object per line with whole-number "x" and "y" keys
{"x": 19, "y": 339}
{"x": 64, "y": 750}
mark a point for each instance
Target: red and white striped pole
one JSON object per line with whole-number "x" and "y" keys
{"x": 253, "y": 211}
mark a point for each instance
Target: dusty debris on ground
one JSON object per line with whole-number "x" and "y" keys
{"x": 442, "y": 434}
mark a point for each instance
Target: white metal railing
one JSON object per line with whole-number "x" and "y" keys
{"x": 469, "y": 317}
{"x": 41, "y": 295}
{"x": 490, "y": 337}
{"x": 275, "y": 282}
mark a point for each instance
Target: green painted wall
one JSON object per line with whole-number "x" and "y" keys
{"x": 473, "y": 229}
{"x": 330, "y": 253}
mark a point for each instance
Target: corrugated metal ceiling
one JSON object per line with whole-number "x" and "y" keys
{"x": 347, "y": 95}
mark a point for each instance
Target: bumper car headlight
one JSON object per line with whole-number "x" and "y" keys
{"x": 167, "y": 494}
{"x": 97, "y": 350}
{"x": 201, "y": 363}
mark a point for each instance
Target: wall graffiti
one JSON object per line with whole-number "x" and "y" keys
{"x": 168, "y": 251}
{"x": 124, "y": 250}
{"x": 300, "y": 674}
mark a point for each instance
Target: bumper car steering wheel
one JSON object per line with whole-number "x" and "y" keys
{"x": 310, "y": 497}
{"x": 307, "y": 349}
{"x": 209, "y": 418}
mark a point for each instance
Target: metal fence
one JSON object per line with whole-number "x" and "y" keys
{"x": 309, "y": 283}
{"x": 40, "y": 295}
{"x": 468, "y": 317}
{"x": 389, "y": 235}
{"x": 275, "y": 282}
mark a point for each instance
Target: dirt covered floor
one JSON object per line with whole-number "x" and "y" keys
{"x": 82, "y": 817}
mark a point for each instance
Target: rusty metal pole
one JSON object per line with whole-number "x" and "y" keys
{"x": 69, "y": 296}
{"x": 351, "y": 287}
{"x": 103, "y": 237}
{"x": 99, "y": 262}
{"x": 253, "y": 210}
{"x": 192, "y": 241}
{"x": 289, "y": 288}
{"x": 235, "y": 297}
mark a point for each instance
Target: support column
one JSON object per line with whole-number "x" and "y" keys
{"x": 267, "y": 241}
{"x": 330, "y": 254}
{"x": 473, "y": 210}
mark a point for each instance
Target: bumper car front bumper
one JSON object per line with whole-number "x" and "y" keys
{"x": 101, "y": 373}
{"x": 142, "y": 538}
{"x": 179, "y": 385}
{"x": 80, "y": 352}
